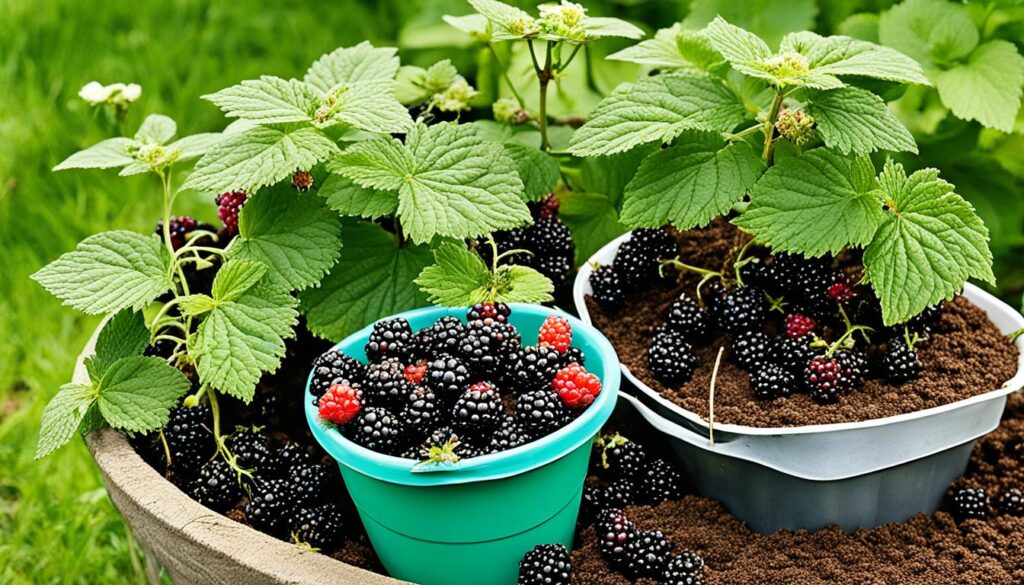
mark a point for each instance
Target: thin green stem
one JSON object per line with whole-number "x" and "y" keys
{"x": 564, "y": 66}
{"x": 163, "y": 311}
{"x": 1016, "y": 334}
{"x": 209, "y": 250}
{"x": 167, "y": 448}
{"x": 769, "y": 129}
{"x": 504, "y": 73}
{"x": 544, "y": 77}
{"x": 680, "y": 265}
{"x": 533, "y": 56}
{"x": 744, "y": 133}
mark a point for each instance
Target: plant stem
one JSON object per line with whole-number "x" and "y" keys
{"x": 769, "y": 129}
{"x": 504, "y": 74}
{"x": 711, "y": 396}
{"x": 744, "y": 133}
{"x": 676, "y": 263}
{"x": 544, "y": 77}
{"x": 564, "y": 66}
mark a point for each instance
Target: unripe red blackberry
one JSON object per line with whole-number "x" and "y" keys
{"x": 228, "y": 206}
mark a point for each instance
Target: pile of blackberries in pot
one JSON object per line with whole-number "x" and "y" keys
{"x": 455, "y": 390}
{"x": 795, "y": 324}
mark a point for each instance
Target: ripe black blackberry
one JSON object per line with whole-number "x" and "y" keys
{"x": 621, "y": 493}
{"x": 508, "y": 436}
{"x": 970, "y": 504}
{"x": 824, "y": 378}
{"x": 423, "y": 411}
{"x": 443, "y": 337}
{"x": 647, "y": 554}
{"x": 899, "y": 364}
{"x": 670, "y": 357}
{"x": 540, "y": 412}
{"x": 494, "y": 311}
{"x": 800, "y": 275}
{"x": 660, "y": 482}
{"x": 573, "y": 355}
{"x": 792, "y": 354}
{"x": 558, "y": 269}
{"x": 590, "y": 502}
{"x": 922, "y": 322}
{"x": 332, "y": 366}
{"x": 309, "y": 482}
{"x": 189, "y": 438}
{"x": 614, "y": 534}
{"x": 216, "y": 486}
{"x": 637, "y": 260}
{"x": 607, "y": 288}
{"x": 287, "y": 457}
{"x": 268, "y": 509}
{"x": 626, "y": 459}
{"x": 1011, "y": 502}
{"x": 688, "y": 319}
{"x": 478, "y": 411}
{"x": 447, "y": 377}
{"x": 379, "y": 430}
{"x": 489, "y": 348}
{"x": 390, "y": 338}
{"x": 161, "y": 348}
{"x": 250, "y": 448}
{"x": 750, "y": 349}
{"x": 320, "y": 526}
{"x": 535, "y": 368}
{"x": 548, "y": 237}
{"x": 710, "y": 295}
{"x": 685, "y": 568}
{"x": 742, "y": 309}
{"x": 546, "y": 564}
{"x": 385, "y": 384}
{"x": 179, "y": 229}
{"x": 855, "y": 366}
{"x": 772, "y": 381}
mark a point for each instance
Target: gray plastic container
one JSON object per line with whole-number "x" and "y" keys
{"x": 854, "y": 475}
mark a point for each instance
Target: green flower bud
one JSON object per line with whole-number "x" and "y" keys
{"x": 797, "y": 127}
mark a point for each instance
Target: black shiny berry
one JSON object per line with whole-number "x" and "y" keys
{"x": 546, "y": 564}
{"x": 320, "y": 526}
{"x": 970, "y": 504}
{"x": 379, "y": 430}
{"x": 386, "y": 384}
{"x": 390, "y": 338}
{"x": 494, "y": 311}
{"x": 442, "y": 338}
{"x": 189, "y": 438}
{"x": 686, "y": 568}
{"x": 1011, "y": 502}
{"x": 626, "y": 460}
{"x": 660, "y": 481}
{"x": 607, "y": 288}
{"x": 540, "y": 412}
{"x": 250, "y": 448}
{"x": 535, "y": 368}
{"x": 447, "y": 377}
{"x": 423, "y": 411}
{"x": 478, "y": 411}
{"x": 688, "y": 319}
{"x": 488, "y": 349}
{"x": 637, "y": 260}
{"x": 309, "y": 482}
{"x": 271, "y": 502}
{"x": 558, "y": 269}
{"x": 614, "y": 533}
{"x": 792, "y": 354}
{"x": 772, "y": 381}
{"x": 508, "y": 436}
{"x": 286, "y": 458}
{"x": 216, "y": 486}
{"x": 647, "y": 554}
{"x": 671, "y": 358}
{"x": 621, "y": 493}
{"x": 750, "y": 349}
{"x": 855, "y": 366}
{"x": 900, "y": 364}
{"x": 742, "y": 309}
{"x": 332, "y": 366}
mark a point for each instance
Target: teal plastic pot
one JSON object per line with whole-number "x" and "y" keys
{"x": 471, "y": 522}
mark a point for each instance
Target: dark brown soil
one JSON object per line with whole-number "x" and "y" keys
{"x": 965, "y": 355}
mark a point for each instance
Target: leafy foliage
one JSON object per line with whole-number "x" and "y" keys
{"x": 459, "y": 277}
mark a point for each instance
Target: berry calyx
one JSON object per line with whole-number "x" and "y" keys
{"x": 228, "y": 206}
{"x": 555, "y": 332}
{"x": 340, "y": 404}
{"x": 798, "y": 325}
{"x": 576, "y": 386}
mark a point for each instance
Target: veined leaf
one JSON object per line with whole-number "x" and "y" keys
{"x": 62, "y": 417}
{"x": 344, "y": 196}
{"x": 110, "y": 153}
{"x": 124, "y": 335}
{"x": 363, "y": 62}
{"x": 854, "y": 120}
{"x": 156, "y": 129}
{"x": 137, "y": 393}
{"x": 267, "y": 100}
{"x": 987, "y": 88}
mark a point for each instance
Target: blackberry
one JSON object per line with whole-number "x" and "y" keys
{"x": 661, "y": 482}
{"x": 798, "y": 325}
{"x": 390, "y": 338}
{"x": 228, "y": 207}
{"x": 626, "y": 460}
{"x": 508, "y": 436}
{"x": 742, "y": 309}
{"x": 647, "y": 554}
{"x": 161, "y": 348}
{"x": 332, "y": 366}
{"x": 287, "y": 457}
{"x": 761, "y": 275}
{"x": 614, "y": 533}
{"x": 378, "y": 430}
{"x": 711, "y": 293}
{"x": 535, "y": 367}
{"x": 685, "y": 568}
{"x": 488, "y": 348}
{"x": 447, "y": 377}
{"x": 620, "y": 493}
{"x": 805, "y": 275}
{"x": 637, "y": 260}
{"x": 540, "y": 412}
{"x": 494, "y": 311}
{"x": 922, "y": 322}
{"x": 422, "y": 411}
{"x": 750, "y": 349}
{"x": 688, "y": 319}
{"x": 179, "y": 229}
{"x": 250, "y": 448}
{"x": 792, "y": 354}
{"x": 573, "y": 355}
{"x": 670, "y": 358}
{"x": 823, "y": 376}
{"x": 546, "y": 564}
{"x": 900, "y": 361}
{"x": 319, "y": 526}
{"x": 548, "y": 237}
{"x": 607, "y": 289}
{"x": 443, "y": 337}
{"x": 386, "y": 384}
{"x": 151, "y": 449}
{"x": 309, "y": 482}
{"x": 216, "y": 486}
{"x": 590, "y": 503}
{"x": 558, "y": 269}
{"x": 1011, "y": 502}
{"x": 189, "y": 439}
{"x": 437, "y": 438}
{"x": 855, "y": 366}
{"x": 478, "y": 410}
{"x": 970, "y": 504}
{"x": 270, "y": 504}
{"x": 772, "y": 381}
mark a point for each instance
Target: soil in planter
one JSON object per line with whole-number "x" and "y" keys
{"x": 964, "y": 355}
{"x": 926, "y": 550}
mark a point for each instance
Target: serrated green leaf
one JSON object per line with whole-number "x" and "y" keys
{"x": 439, "y": 76}
{"x": 370, "y": 106}
{"x": 378, "y": 163}
{"x": 293, "y": 234}
{"x": 507, "y": 22}
{"x": 474, "y": 25}
{"x": 458, "y": 277}
{"x": 674, "y": 48}
{"x": 108, "y": 272}
{"x": 372, "y": 280}
{"x": 62, "y": 416}
{"x": 987, "y": 88}
{"x": 93, "y": 420}
{"x": 113, "y": 152}
{"x": 769, "y": 19}
{"x": 657, "y": 109}
{"x": 745, "y": 50}
{"x": 137, "y": 393}
{"x": 194, "y": 146}
{"x": 522, "y": 284}
{"x": 599, "y": 27}
{"x": 236, "y": 277}
{"x": 363, "y": 62}
{"x": 690, "y": 183}
{"x": 347, "y": 198}
{"x": 259, "y": 156}
{"x": 156, "y": 129}
{"x": 863, "y": 26}
{"x": 931, "y": 32}
{"x": 267, "y": 100}
{"x": 241, "y": 339}
{"x": 593, "y": 220}
{"x": 815, "y": 203}
{"x": 854, "y": 120}
{"x": 124, "y": 335}
{"x": 929, "y": 244}
{"x": 538, "y": 171}
{"x": 197, "y": 304}
{"x": 841, "y": 56}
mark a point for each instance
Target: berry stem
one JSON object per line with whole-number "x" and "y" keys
{"x": 740, "y": 261}
{"x": 1016, "y": 334}
{"x": 769, "y": 129}
{"x": 849, "y": 332}
{"x": 744, "y": 133}
{"x": 680, "y": 265}
{"x": 167, "y": 448}
{"x": 189, "y": 249}
{"x": 711, "y": 396}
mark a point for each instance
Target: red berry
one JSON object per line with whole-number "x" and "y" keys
{"x": 798, "y": 325}
{"x": 180, "y": 227}
{"x": 576, "y": 386}
{"x": 340, "y": 404}
{"x": 229, "y": 204}
{"x": 841, "y": 291}
{"x": 555, "y": 332}
{"x": 302, "y": 181}
{"x": 548, "y": 207}
{"x": 414, "y": 372}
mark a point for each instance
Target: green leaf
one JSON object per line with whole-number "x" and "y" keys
{"x": 197, "y": 304}
{"x": 931, "y": 32}
{"x": 156, "y": 129}
{"x": 108, "y": 272}
{"x": 457, "y": 278}
{"x": 124, "y": 335}
{"x": 538, "y": 171}
{"x": 657, "y": 109}
{"x": 507, "y": 22}
{"x": 690, "y": 183}
{"x": 363, "y": 62}
{"x": 474, "y": 25}
{"x": 110, "y": 153}
{"x": 372, "y": 280}
{"x": 62, "y": 416}
{"x": 137, "y": 393}
{"x": 259, "y": 156}
{"x": 291, "y": 233}
{"x": 194, "y": 146}
{"x": 987, "y": 88}
{"x": 815, "y": 203}
{"x": 267, "y": 100}
{"x": 370, "y": 106}
{"x": 347, "y": 198}
{"x": 745, "y": 50}
{"x": 522, "y": 284}
{"x": 242, "y": 338}
{"x": 839, "y": 56}
{"x": 930, "y": 242}
{"x": 439, "y": 76}
{"x": 450, "y": 181}
{"x": 593, "y": 220}
{"x": 854, "y": 120}
{"x": 235, "y": 278}
{"x": 769, "y": 19}
{"x": 674, "y": 48}
{"x": 599, "y": 27}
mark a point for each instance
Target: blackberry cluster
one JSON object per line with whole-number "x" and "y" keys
{"x": 442, "y": 338}
{"x": 267, "y": 510}
{"x": 377, "y": 429}
{"x": 671, "y": 358}
{"x": 620, "y": 493}
{"x": 750, "y": 349}
{"x": 742, "y": 309}
{"x": 333, "y": 366}
{"x": 488, "y": 348}
{"x": 685, "y": 317}
{"x": 685, "y": 568}
{"x": 644, "y": 554}
{"x": 615, "y": 532}
{"x": 900, "y": 362}
{"x": 385, "y": 384}
{"x": 546, "y": 564}
{"x": 536, "y": 367}
{"x": 638, "y": 258}
{"x": 320, "y": 526}
{"x": 217, "y": 486}
{"x": 548, "y": 241}
{"x": 647, "y": 554}
{"x": 1011, "y": 502}
{"x": 970, "y": 504}
{"x": 660, "y": 482}
{"x": 250, "y": 448}
{"x": 446, "y": 377}
{"x": 478, "y": 411}
{"x": 772, "y": 381}
{"x": 180, "y": 227}
{"x": 390, "y": 338}
{"x": 626, "y": 459}
{"x": 541, "y": 412}
{"x": 189, "y": 438}
{"x": 607, "y": 288}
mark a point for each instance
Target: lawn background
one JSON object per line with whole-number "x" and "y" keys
{"x": 56, "y": 523}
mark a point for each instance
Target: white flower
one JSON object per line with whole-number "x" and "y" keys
{"x": 94, "y": 93}
{"x": 564, "y": 20}
{"x": 131, "y": 92}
